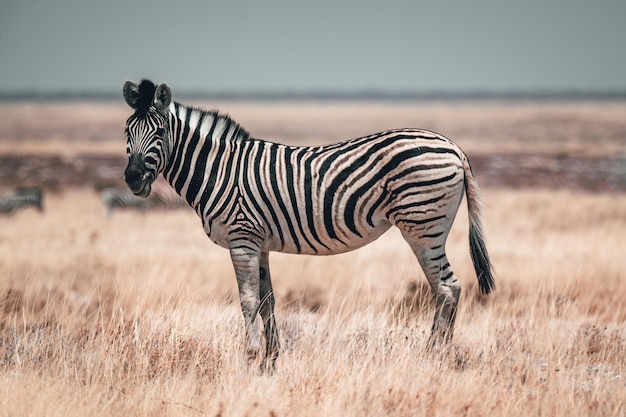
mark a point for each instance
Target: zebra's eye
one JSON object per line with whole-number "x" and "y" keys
{"x": 160, "y": 132}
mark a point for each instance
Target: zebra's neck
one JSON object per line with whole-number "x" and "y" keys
{"x": 200, "y": 140}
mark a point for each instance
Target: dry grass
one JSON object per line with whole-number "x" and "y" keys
{"x": 138, "y": 315}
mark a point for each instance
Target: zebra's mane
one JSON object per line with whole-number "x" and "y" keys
{"x": 146, "y": 96}
{"x": 240, "y": 132}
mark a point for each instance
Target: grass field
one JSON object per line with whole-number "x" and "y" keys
{"x": 137, "y": 314}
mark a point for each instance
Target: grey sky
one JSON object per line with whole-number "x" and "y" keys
{"x": 55, "y": 45}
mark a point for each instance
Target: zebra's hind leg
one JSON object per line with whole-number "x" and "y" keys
{"x": 246, "y": 264}
{"x": 272, "y": 343}
{"x": 445, "y": 287}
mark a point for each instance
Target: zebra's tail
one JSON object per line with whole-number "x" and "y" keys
{"x": 478, "y": 250}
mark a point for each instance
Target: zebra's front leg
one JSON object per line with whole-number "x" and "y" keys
{"x": 246, "y": 263}
{"x": 272, "y": 344}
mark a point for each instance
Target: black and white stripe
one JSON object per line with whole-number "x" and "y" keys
{"x": 21, "y": 197}
{"x": 255, "y": 196}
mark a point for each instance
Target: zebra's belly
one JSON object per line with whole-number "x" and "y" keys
{"x": 221, "y": 234}
{"x": 328, "y": 246}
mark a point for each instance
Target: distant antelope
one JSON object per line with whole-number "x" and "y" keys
{"x": 255, "y": 197}
{"x": 21, "y": 197}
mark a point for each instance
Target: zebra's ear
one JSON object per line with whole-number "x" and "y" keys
{"x": 163, "y": 98}
{"x": 131, "y": 94}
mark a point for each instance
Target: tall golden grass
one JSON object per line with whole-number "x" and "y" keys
{"x": 137, "y": 315}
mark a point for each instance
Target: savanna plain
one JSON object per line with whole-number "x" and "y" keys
{"x": 137, "y": 313}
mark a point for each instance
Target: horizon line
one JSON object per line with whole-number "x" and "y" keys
{"x": 330, "y": 94}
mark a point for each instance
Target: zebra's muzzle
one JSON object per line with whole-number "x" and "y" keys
{"x": 138, "y": 179}
{"x": 141, "y": 187}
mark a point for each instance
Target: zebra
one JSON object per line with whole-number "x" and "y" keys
{"x": 160, "y": 198}
{"x": 21, "y": 197}
{"x": 113, "y": 198}
{"x": 254, "y": 197}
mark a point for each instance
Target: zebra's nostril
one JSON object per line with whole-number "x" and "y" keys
{"x": 133, "y": 175}
{"x": 135, "y": 170}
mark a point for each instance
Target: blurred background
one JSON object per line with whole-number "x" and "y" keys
{"x": 347, "y": 47}
{"x": 533, "y": 91}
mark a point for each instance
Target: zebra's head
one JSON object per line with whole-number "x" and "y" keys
{"x": 148, "y": 140}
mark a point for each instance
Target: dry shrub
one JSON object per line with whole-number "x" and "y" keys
{"x": 415, "y": 302}
{"x": 309, "y": 299}
{"x": 598, "y": 344}
{"x": 12, "y": 301}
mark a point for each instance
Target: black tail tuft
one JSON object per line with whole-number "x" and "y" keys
{"x": 478, "y": 250}
{"x": 480, "y": 259}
